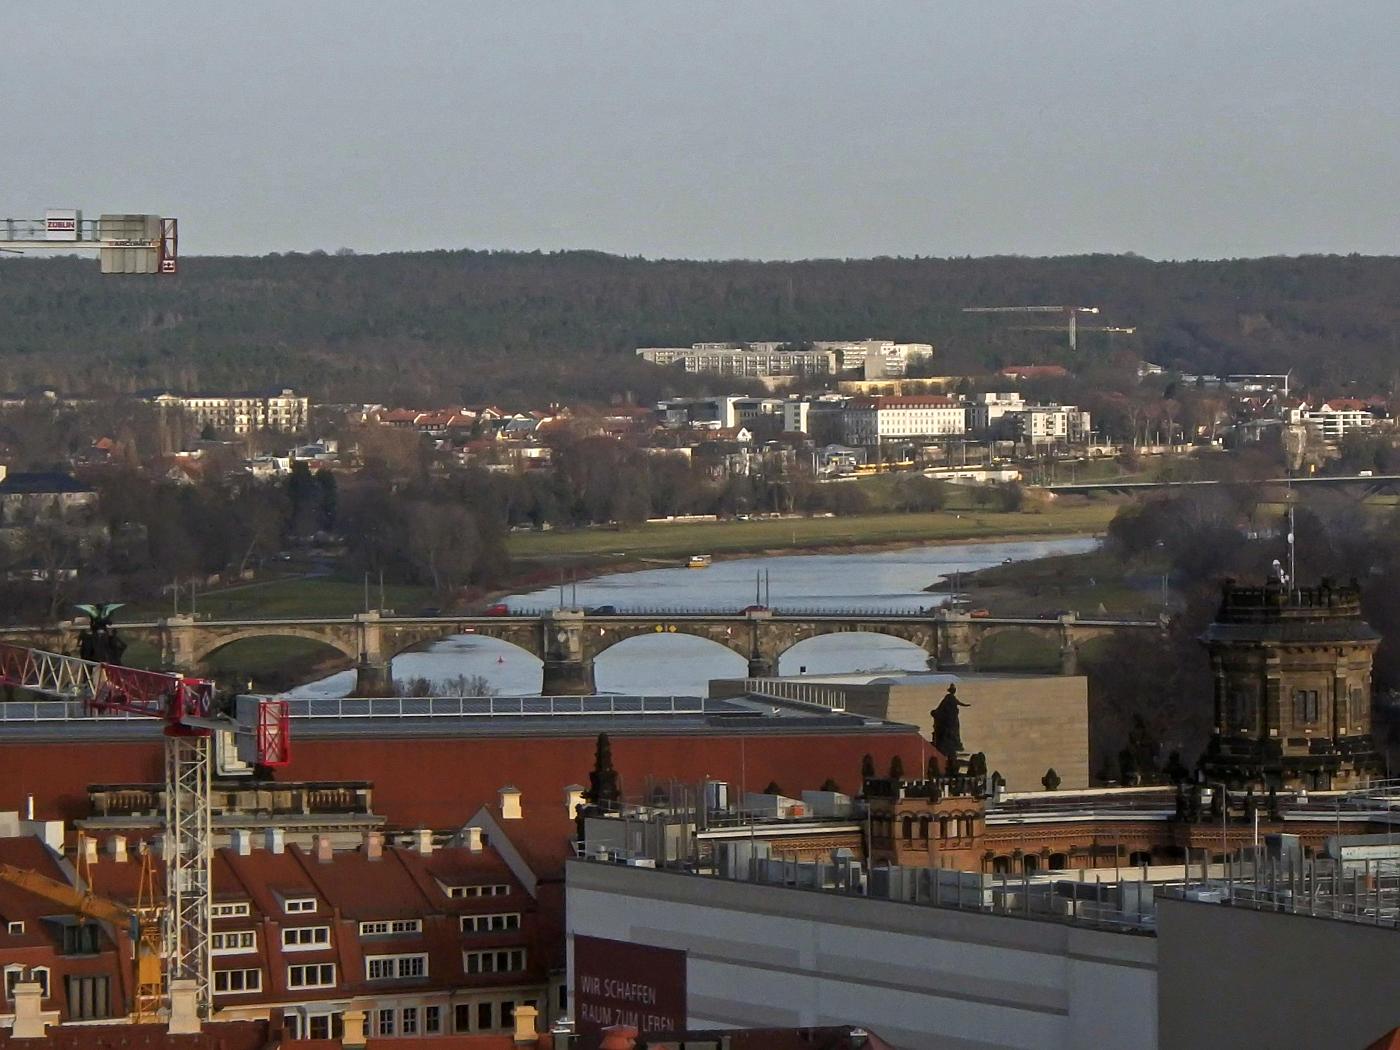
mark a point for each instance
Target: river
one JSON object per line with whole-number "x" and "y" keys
{"x": 679, "y": 664}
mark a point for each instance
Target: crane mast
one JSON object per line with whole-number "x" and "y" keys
{"x": 260, "y": 724}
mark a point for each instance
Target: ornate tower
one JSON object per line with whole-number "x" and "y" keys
{"x": 1292, "y": 670}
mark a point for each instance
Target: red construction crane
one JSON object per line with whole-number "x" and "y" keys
{"x": 259, "y": 724}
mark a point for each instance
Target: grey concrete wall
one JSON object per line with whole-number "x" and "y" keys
{"x": 1232, "y": 978}
{"x": 918, "y": 976}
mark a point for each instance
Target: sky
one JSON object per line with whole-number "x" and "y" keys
{"x": 686, "y": 128}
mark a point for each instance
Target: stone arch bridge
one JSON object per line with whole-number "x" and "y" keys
{"x": 569, "y": 640}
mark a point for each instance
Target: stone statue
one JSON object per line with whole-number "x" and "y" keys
{"x": 99, "y": 641}
{"x": 947, "y": 737}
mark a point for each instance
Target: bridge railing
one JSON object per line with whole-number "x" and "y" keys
{"x": 491, "y": 706}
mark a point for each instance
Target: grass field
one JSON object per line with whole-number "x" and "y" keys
{"x": 289, "y": 597}
{"x": 678, "y": 541}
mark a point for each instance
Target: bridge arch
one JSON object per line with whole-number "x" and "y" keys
{"x": 599, "y": 638}
{"x": 666, "y": 662}
{"x": 1017, "y": 646}
{"x": 839, "y": 652}
{"x": 204, "y": 647}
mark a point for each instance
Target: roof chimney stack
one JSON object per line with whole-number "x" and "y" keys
{"x": 30, "y": 1019}
{"x": 525, "y": 1034}
{"x": 88, "y": 845}
{"x": 374, "y": 845}
{"x": 241, "y": 840}
{"x": 275, "y": 840}
{"x": 473, "y": 840}
{"x": 323, "y": 849}
{"x": 353, "y": 1030}
{"x": 184, "y": 1007}
{"x": 510, "y": 802}
{"x": 573, "y": 799}
{"x": 116, "y": 846}
{"x": 423, "y": 841}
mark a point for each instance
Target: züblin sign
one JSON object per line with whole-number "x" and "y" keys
{"x": 634, "y": 984}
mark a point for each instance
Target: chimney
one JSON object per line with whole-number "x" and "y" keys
{"x": 29, "y": 807}
{"x": 473, "y": 840}
{"x": 241, "y": 841}
{"x": 323, "y": 849}
{"x": 88, "y": 847}
{"x": 116, "y": 846}
{"x": 353, "y": 1030}
{"x": 275, "y": 840}
{"x": 619, "y": 1037}
{"x": 573, "y": 798}
{"x": 510, "y": 802}
{"x": 184, "y": 1007}
{"x": 423, "y": 841}
{"x": 525, "y": 1034}
{"x": 374, "y": 846}
{"x": 30, "y": 1021}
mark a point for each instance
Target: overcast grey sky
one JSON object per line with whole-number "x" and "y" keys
{"x": 768, "y": 128}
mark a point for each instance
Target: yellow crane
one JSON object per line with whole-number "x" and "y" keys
{"x": 142, "y": 923}
{"x": 1071, "y": 325}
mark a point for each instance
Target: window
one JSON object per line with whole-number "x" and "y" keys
{"x": 232, "y": 941}
{"x": 237, "y": 910}
{"x": 488, "y": 923}
{"x": 485, "y": 1014}
{"x": 305, "y": 938}
{"x": 386, "y": 1022}
{"x": 19, "y": 975}
{"x": 386, "y": 928}
{"x": 409, "y": 1021}
{"x": 299, "y": 905}
{"x": 324, "y": 1026}
{"x": 88, "y": 998}
{"x": 234, "y": 982}
{"x": 14, "y": 929}
{"x": 491, "y": 890}
{"x": 462, "y": 1017}
{"x": 432, "y": 1020}
{"x": 505, "y": 960}
{"x": 312, "y": 975}
{"x": 1306, "y": 702}
{"x": 395, "y": 967}
{"x": 508, "y": 1014}
{"x": 81, "y": 938}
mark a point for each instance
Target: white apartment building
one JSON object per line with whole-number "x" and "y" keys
{"x": 872, "y": 420}
{"x": 243, "y": 413}
{"x": 1046, "y": 424}
{"x": 748, "y": 361}
{"x": 878, "y": 358}
{"x": 986, "y": 410}
{"x": 1332, "y": 422}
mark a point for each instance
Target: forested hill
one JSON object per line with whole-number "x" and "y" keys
{"x": 442, "y": 327}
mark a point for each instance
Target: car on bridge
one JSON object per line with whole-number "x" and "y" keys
{"x": 498, "y": 609}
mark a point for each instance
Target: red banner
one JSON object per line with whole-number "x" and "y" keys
{"x": 616, "y": 982}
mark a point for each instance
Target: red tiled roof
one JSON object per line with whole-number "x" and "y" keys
{"x": 1034, "y": 371}
{"x": 217, "y": 1035}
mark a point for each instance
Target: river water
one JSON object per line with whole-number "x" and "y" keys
{"x": 882, "y": 581}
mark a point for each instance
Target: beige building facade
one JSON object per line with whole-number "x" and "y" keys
{"x": 1025, "y": 724}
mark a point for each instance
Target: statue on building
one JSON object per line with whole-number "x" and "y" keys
{"x": 99, "y": 641}
{"x": 947, "y": 736}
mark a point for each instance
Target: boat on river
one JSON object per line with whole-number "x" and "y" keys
{"x": 699, "y": 561}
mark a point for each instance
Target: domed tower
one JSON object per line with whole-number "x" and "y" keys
{"x": 1292, "y": 668}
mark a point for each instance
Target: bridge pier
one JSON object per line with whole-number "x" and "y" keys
{"x": 1069, "y": 651}
{"x": 177, "y": 644}
{"x": 374, "y": 678}
{"x": 568, "y": 669}
{"x": 954, "y": 634}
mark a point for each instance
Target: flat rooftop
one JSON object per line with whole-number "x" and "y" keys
{"x": 476, "y": 716}
{"x": 935, "y": 678}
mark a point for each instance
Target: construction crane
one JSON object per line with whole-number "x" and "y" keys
{"x": 259, "y": 725}
{"x": 125, "y": 243}
{"x": 1071, "y": 325}
{"x": 143, "y": 924}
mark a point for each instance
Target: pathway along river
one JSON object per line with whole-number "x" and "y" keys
{"x": 679, "y": 664}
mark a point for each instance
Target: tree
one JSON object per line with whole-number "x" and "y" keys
{"x": 1051, "y": 780}
{"x": 829, "y": 784}
{"x": 604, "y": 785}
{"x": 773, "y": 788}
